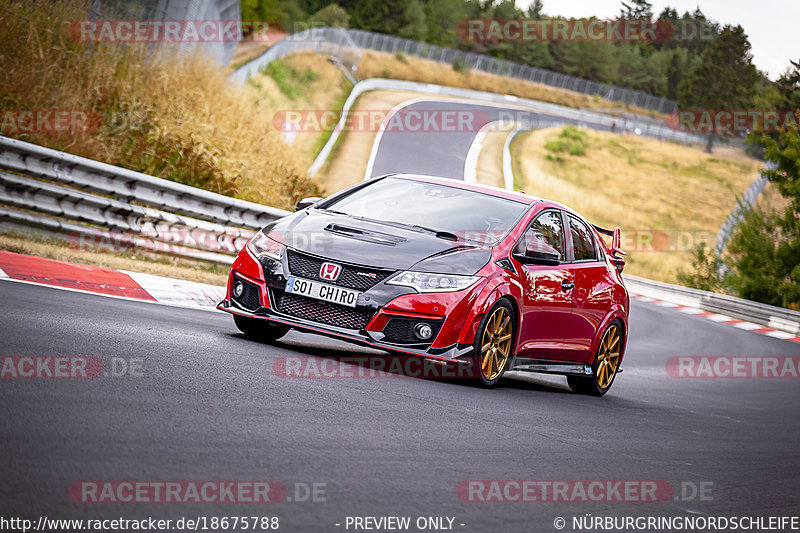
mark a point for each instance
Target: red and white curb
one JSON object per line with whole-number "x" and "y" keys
{"x": 109, "y": 282}
{"x": 722, "y": 319}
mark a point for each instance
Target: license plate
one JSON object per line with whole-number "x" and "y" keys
{"x": 322, "y": 291}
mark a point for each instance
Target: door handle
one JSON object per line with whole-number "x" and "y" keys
{"x": 567, "y": 286}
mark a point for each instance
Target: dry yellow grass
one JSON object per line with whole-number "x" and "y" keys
{"x": 327, "y": 91}
{"x": 385, "y": 65}
{"x": 159, "y": 265}
{"x": 643, "y": 186}
{"x": 164, "y": 114}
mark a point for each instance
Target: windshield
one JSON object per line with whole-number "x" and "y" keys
{"x": 469, "y": 215}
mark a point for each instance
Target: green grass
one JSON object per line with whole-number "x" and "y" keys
{"x": 571, "y": 141}
{"x": 290, "y": 81}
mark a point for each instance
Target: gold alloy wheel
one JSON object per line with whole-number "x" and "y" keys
{"x": 496, "y": 343}
{"x": 608, "y": 357}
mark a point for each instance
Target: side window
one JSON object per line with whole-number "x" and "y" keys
{"x": 548, "y": 232}
{"x": 582, "y": 241}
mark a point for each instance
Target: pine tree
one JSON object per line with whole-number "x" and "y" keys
{"x": 725, "y": 79}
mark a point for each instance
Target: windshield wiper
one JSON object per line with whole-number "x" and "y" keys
{"x": 335, "y": 212}
{"x": 442, "y": 234}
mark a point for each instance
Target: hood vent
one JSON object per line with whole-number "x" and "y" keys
{"x": 365, "y": 235}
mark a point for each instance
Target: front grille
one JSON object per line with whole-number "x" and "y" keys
{"x": 352, "y": 276}
{"x": 322, "y": 312}
{"x": 401, "y": 330}
{"x": 250, "y": 298}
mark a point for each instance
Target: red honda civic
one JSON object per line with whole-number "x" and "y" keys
{"x": 461, "y": 273}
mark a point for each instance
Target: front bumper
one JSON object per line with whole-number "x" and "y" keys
{"x": 455, "y": 353}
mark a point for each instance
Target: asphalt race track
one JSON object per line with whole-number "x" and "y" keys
{"x": 441, "y": 151}
{"x": 208, "y": 406}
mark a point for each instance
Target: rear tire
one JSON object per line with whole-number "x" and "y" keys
{"x": 606, "y": 364}
{"x": 259, "y": 329}
{"x": 494, "y": 344}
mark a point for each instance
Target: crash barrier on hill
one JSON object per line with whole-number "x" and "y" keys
{"x": 97, "y": 205}
{"x": 769, "y": 316}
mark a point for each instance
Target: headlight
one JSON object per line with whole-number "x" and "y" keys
{"x": 426, "y": 282}
{"x": 261, "y": 245}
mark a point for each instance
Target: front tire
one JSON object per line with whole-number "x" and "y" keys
{"x": 258, "y": 329}
{"x": 606, "y": 364}
{"x": 494, "y": 343}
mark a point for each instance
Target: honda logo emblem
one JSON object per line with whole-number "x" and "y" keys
{"x": 330, "y": 271}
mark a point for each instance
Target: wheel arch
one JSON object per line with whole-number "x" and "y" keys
{"x": 614, "y": 315}
{"x": 490, "y": 294}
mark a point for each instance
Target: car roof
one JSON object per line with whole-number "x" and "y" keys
{"x": 477, "y": 187}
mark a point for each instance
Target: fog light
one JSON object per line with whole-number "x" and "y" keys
{"x": 423, "y": 331}
{"x": 238, "y": 288}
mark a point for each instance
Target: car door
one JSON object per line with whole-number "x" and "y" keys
{"x": 546, "y": 291}
{"x": 593, "y": 292}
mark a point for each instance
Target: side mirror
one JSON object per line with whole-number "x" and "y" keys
{"x": 307, "y": 202}
{"x": 537, "y": 252}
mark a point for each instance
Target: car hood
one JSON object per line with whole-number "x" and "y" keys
{"x": 351, "y": 240}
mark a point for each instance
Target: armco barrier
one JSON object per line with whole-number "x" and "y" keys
{"x": 87, "y": 197}
{"x": 758, "y": 313}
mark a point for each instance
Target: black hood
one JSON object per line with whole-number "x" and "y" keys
{"x": 352, "y": 240}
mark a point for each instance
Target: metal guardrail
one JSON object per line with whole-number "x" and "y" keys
{"x": 82, "y": 197}
{"x": 337, "y": 40}
{"x": 758, "y": 313}
{"x": 508, "y": 166}
{"x": 745, "y": 203}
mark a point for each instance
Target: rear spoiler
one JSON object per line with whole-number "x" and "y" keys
{"x": 616, "y": 251}
{"x": 604, "y": 231}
